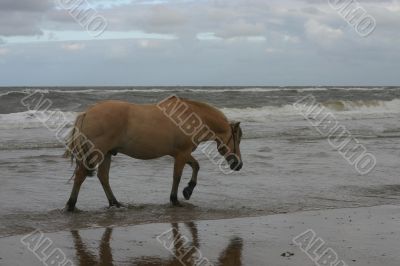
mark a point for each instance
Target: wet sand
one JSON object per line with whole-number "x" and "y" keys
{"x": 359, "y": 236}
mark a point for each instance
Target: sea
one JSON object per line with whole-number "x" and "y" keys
{"x": 288, "y": 165}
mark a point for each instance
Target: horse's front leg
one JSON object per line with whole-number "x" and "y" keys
{"x": 187, "y": 192}
{"x": 178, "y": 169}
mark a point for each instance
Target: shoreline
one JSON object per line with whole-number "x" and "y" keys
{"x": 58, "y": 220}
{"x": 359, "y": 236}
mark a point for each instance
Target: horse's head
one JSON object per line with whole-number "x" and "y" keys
{"x": 231, "y": 148}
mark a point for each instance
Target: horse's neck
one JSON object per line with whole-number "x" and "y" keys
{"x": 214, "y": 119}
{"x": 217, "y": 123}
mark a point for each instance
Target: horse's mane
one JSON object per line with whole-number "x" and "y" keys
{"x": 204, "y": 105}
{"x": 216, "y": 119}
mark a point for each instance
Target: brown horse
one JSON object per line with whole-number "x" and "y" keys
{"x": 174, "y": 127}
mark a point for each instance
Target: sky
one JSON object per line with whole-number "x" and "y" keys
{"x": 198, "y": 43}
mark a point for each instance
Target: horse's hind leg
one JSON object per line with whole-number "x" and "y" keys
{"x": 187, "y": 191}
{"x": 103, "y": 175}
{"x": 180, "y": 162}
{"x": 80, "y": 176}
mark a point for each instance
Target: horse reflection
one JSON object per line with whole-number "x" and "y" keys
{"x": 86, "y": 258}
{"x": 183, "y": 254}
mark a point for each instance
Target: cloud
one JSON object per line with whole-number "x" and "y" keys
{"x": 291, "y": 39}
{"x": 26, "y": 5}
{"x": 199, "y": 42}
{"x": 147, "y": 43}
{"x": 22, "y": 18}
{"x": 73, "y": 46}
{"x": 321, "y": 33}
{"x": 241, "y": 28}
{"x": 4, "y": 51}
{"x": 272, "y": 50}
{"x": 19, "y": 24}
{"x": 161, "y": 19}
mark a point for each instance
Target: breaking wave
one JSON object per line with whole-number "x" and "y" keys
{"x": 31, "y": 119}
{"x": 344, "y": 108}
{"x": 116, "y": 90}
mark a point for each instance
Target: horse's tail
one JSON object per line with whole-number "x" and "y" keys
{"x": 72, "y": 142}
{"x": 78, "y": 145}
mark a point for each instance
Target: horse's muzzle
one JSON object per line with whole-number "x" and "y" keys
{"x": 234, "y": 162}
{"x": 236, "y": 166}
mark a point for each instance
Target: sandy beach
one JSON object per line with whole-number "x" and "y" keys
{"x": 359, "y": 236}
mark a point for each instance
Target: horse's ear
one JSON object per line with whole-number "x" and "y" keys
{"x": 235, "y": 125}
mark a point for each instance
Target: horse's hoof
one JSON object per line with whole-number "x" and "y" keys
{"x": 187, "y": 193}
{"x": 176, "y": 204}
{"x": 116, "y": 204}
{"x": 69, "y": 208}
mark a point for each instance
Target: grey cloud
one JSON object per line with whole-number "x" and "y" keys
{"x": 162, "y": 19}
{"x": 25, "y": 5}
{"x": 241, "y": 28}
{"x": 19, "y": 23}
{"x": 228, "y": 20}
{"x": 22, "y": 17}
{"x": 307, "y": 43}
{"x": 347, "y": 1}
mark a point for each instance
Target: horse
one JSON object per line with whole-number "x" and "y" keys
{"x": 173, "y": 127}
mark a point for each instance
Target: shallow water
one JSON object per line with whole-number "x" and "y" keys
{"x": 288, "y": 165}
{"x": 228, "y": 242}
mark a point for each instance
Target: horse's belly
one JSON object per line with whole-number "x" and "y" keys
{"x": 145, "y": 150}
{"x": 142, "y": 156}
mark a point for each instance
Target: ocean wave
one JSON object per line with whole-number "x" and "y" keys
{"x": 31, "y": 146}
{"x": 340, "y": 108}
{"x": 219, "y": 89}
{"x": 144, "y": 90}
{"x": 363, "y": 88}
{"x": 111, "y": 91}
{"x": 255, "y": 89}
{"x": 25, "y": 91}
{"x": 185, "y": 89}
{"x": 364, "y": 106}
{"x": 349, "y": 109}
{"x": 260, "y": 114}
{"x": 35, "y": 119}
